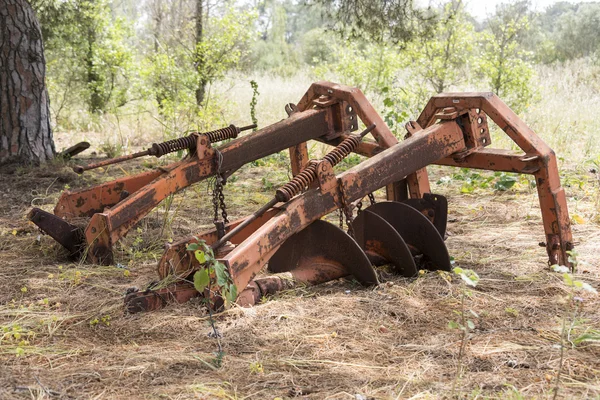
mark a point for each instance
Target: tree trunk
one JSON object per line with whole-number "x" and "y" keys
{"x": 201, "y": 89}
{"x": 25, "y": 133}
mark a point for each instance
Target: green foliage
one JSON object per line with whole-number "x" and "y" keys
{"x": 318, "y": 47}
{"x": 399, "y": 104}
{"x": 272, "y": 52}
{"x": 253, "y": 102}
{"x": 368, "y": 66}
{"x": 441, "y": 57}
{"x": 503, "y": 62}
{"x": 91, "y": 53}
{"x": 577, "y": 32}
{"x": 213, "y": 275}
{"x": 470, "y": 180}
{"x": 224, "y": 44}
{"x": 378, "y": 21}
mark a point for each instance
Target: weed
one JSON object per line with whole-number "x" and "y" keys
{"x": 499, "y": 181}
{"x": 464, "y": 324}
{"x": 111, "y": 150}
{"x": 573, "y": 306}
{"x": 253, "y": 102}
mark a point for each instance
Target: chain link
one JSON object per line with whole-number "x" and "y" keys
{"x": 222, "y": 201}
{"x": 372, "y": 198}
{"x": 218, "y": 196}
{"x": 359, "y": 207}
{"x": 346, "y": 209}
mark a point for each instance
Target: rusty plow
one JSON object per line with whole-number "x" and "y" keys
{"x": 291, "y": 240}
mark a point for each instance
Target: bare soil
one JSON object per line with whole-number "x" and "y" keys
{"x": 64, "y": 333}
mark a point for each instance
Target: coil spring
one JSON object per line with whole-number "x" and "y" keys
{"x": 230, "y": 132}
{"x": 298, "y": 183}
{"x": 188, "y": 142}
{"x": 342, "y": 150}
{"x": 309, "y": 174}
{"x": 170, "y": 146}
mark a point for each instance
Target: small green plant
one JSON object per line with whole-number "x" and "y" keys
{"x": 512, "y": 311}
{"x": 500, "y": 181}
{"x": 256, "y": 367}
{"x": 267, "y": 185}
{"x": 573, "y": 305}
{"x": 464, "y": 323}
{"x": 394, "y": 113}
{"x": 213, "y": 279}
{"x": 111, "y": 150}
{"x": 254, "y": 102}
{"x": 213, "y": 276}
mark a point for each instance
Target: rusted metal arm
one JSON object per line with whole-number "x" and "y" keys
{"x": 537, "y": 158}
{"x": 264, "y": 236}
{"x": 160, "y": 149}
{"x": 109, "y": 226}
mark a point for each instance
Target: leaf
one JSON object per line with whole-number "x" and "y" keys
{"x": 473, "y": 313}
{"x": 233, "y": 291}
{"x": 221, "y": 273}
{"x": 192, "y": 247}
{"x": 231, "y": 294}
{"x": 568, "y": 279}
{"x": 470, "y": 324}
{"x": 589, "y": 288}
{"x": 200, "y": 256}
{"x": 577, "y": 219}
{"x": 201, "y": 280}
{"x": 472, "y": 279}
{"x": 588, "y": 336}
{"x": 560, "y": 268}
{"x": 453, "y": 325}
{"x": 458, "y": 270}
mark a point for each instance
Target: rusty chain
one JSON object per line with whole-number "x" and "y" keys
{"x": 218, "y": 196}
{"x": 372, "y": 198}
{"x": 346, "y": 209}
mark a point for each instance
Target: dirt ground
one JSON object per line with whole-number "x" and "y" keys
{"x": 64, "y": 333}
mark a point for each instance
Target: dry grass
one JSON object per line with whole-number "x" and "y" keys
{"x": 335, "y": 341}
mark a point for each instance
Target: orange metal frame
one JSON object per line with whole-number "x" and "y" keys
{"x": 452, "y": 130}
{"x": 115, "y": 207}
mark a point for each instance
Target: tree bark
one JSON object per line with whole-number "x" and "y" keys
{"x": 25, "y": 133}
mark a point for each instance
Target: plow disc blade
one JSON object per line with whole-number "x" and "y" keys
{"x": 382, "y": 243}
{"x": 320, "y": 253}
{"x": 434, "y": 207}
{"x": 417, "y": 231}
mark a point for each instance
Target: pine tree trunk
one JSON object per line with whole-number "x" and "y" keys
{"x": 25, "y": 133}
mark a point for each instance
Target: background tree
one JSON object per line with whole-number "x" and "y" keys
{"x": 441, "y": 57}
{"x": 25, "y": 132}
{"x": 391, "y": 20}
{"x": 502, "y": 60}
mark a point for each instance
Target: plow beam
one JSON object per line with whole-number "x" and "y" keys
{"x": 107, "y": 227}
{"x": 391, "y": 165}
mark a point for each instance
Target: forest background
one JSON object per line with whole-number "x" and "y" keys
{"x": 123, "y": 73}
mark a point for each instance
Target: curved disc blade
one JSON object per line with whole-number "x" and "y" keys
{"x": 417, "y": 231}
{"x": 320, "y": 253}
{"x": 434, "y": 207}
{"x": 380, "y": 240}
